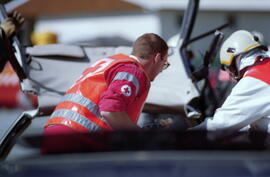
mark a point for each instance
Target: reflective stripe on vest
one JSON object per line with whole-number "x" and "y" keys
{"x": 128, "y": 77}
{"x": 85, "y": 102}
{"x": 76, "y": 118}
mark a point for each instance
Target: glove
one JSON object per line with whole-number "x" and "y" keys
{"x": 12, "y": 24}
{"x": 166, "y": 123}
{"x": 8, "y": 26}
{"x": 17, "y": 19}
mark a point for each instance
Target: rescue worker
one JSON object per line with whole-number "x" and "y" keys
{"x": 248, "y": 105}
{"x": 111, "y": 93}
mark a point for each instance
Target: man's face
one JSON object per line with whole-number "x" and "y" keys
{"x": 160, "y": 65}
{"x": 232, "y": 70}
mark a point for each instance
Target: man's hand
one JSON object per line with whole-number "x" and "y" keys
{"x": 8, "y": 26}
{"x": 12, "y": 24}
{"x": 17, "y": 19}
{"x": 166, "y": 123}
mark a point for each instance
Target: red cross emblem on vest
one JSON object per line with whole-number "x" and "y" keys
{"x": 126, "y": 90}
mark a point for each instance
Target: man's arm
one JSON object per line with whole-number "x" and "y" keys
{"x": 248, "y": 102}
{"x": 115, "y": 101}
{"x": 119, "y": 120}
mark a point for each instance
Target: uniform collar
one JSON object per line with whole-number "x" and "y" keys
{"x": 134, "y": 57}
{"x": 250, "y": 60}
{"x": 137, "y": 59}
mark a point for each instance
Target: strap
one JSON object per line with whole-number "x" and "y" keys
{"x": 73, "y": 116}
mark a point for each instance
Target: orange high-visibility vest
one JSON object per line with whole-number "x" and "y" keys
{"x": 79, "y": 107}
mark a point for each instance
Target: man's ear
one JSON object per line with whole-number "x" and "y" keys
{"x": 157, "y": 57}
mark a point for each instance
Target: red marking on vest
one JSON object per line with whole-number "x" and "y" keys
{"x": 260, "y": 71}
{"x": 126, "y": 90}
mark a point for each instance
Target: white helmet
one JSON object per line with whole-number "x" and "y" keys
{"x": 238, "y": 42}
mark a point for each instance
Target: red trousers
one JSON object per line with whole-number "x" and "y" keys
{"x": 62, "y": 139}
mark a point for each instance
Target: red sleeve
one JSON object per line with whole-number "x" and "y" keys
{"x": 126, "y": 82}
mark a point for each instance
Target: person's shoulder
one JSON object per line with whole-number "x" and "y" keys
{"x": 129, "y": 67}
{"x": 259, "y": 71}
{"x": 248, "y": 86}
